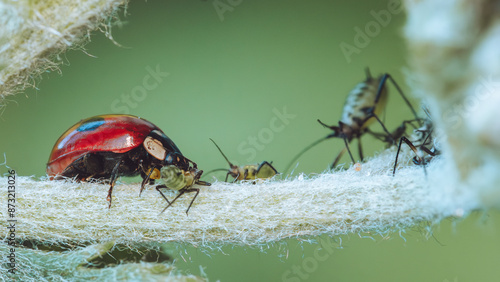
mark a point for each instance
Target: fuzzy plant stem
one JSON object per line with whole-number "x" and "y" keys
{"x": 34, "y": 33}
{"x": 455, "y": 58}
{"x": 366, "y": 199}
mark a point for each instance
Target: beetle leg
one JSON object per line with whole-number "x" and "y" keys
{"x": 112, "y": 180}
{"x": 146, "y": 180}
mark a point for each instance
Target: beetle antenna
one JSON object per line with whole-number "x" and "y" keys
{"x": 230, "y": 164}
{"x": 305, "y": 150}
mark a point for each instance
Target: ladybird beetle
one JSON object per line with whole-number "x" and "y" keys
{"x": 248, "y": 172}
{"x": 105, "y": 147}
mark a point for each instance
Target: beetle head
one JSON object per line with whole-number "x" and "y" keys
{"x": 177, "y": 159}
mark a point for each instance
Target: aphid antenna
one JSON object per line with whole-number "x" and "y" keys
{"x": 214, "y": 170}
{"x": 368, "y": 73}
{"x": 305, "y": 150}
{"x": 230, "y": 164}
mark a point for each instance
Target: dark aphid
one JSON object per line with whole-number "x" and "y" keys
{"x": 421, "y": 146}
{"x": 363, "y": 106}
{"x": 247, "y": 172}
{"x": 108, "y": 146}
{"x": 180, "y": 180}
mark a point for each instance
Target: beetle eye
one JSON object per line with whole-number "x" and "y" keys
{"x": 155, "y": 148}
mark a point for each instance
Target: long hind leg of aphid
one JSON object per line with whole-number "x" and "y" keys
{"x": 383, "y": 126}
{"x": 158, "y": 189}
{"x": 360, "y": 149}
{"x": 379, "y": 91}
{"x": 181, "y": 192}
{"x": 194, "y": 198}
{"x": 337, "y": 158}
{"x": 431, "y": 153}
{"x": 412, "y": 147}
{"x": 348, "y": 150}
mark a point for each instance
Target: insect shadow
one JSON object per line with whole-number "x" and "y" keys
{"x": 263, "y": 170}
{"x": 362, "y": 108}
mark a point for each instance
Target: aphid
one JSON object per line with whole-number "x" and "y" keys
{"x": 108, "y": 146}
{"x": 247, "y": 172}
{"x": 176, "y": 179}
{"x": 423, "y": 143}
{"x": 362, "y": 107}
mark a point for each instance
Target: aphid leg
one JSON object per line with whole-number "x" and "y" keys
{"x": 203, "y": 183}
{"x": 182, "y": 192}
{"x": 158, "y": 189}
{"x": 337, "y": 159}
{"x": 227, "y": 176}
{"x": 190, "y": 190}
{"x": 348, "y": 150}
{"x": 412, "y": 147}
{"x": 423, "y": 161}
{"x": 381, "y": 85}
{"x": 377, "y": 135}
{"x": 360, "y": 149}
{"x": 112, "y": 180}
{"x": 245, "y": 175}
{"x": 235, "y": 178}
{"x": 383, "y": 127}
{"x": 425, "y": 149}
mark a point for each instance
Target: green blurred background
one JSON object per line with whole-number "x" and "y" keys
{"x": 227, "y": 66}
